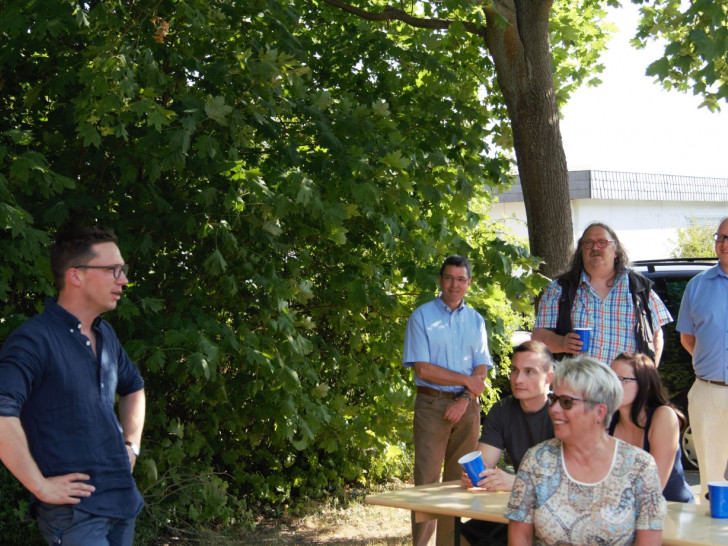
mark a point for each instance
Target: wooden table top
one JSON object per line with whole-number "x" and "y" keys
{"x": 685, "y": 524}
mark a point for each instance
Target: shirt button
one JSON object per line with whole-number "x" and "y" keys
{"x": 88, "y": 343}
{"x": 79, "y": 326}
{"x": 71, "y": 330}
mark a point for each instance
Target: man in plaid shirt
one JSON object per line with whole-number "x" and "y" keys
{"x": 602, "y": 302}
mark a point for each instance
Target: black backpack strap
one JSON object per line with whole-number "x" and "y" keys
{"x": 566, "y": 302}
{"x": 640, "y": 287}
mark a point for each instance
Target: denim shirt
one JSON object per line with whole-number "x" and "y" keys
{"x": 64, "y": 395}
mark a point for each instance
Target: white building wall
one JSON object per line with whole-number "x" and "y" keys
{"x": 647, "y": 229}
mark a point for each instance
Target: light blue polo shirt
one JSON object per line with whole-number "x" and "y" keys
{"x": 704, "y": 314}
{"x": 456, "y": 340}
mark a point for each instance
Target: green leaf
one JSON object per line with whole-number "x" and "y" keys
{"x": 217, "y": 110}
{"x": 215, "y": 264}
{"x": 396, "y": 161}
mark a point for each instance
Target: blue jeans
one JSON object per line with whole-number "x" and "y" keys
{"x": 64, "y": 525}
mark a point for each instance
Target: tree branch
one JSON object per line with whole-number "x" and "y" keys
{"x": 390, "y": 13}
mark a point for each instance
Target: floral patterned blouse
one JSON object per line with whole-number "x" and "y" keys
{"x": 565, "y": 511}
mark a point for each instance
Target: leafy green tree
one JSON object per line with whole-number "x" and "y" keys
{"x": 694, "y": 58}
{"x": 284, "y": 196}
{"x": 533, "y": 53}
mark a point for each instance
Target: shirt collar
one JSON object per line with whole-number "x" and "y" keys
{"x": 585, "y": 278}
{"x": 715, "y": 271}
{"x": 443, "y": 306}
{"x": 64, "y": 317}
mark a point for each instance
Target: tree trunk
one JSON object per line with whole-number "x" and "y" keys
{"x": 522, "y": 56}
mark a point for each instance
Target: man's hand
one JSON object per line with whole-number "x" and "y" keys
{"x": 66, "y": 489}
{"x": 465, "y": 480}
{"x": 497, "y": 480}
{"x": 572, "y": 343}
{"x": 456, "y": 410}
{"x": 132, "y": 457}
{"x": 492, "y": 479}
{"x": 475, "y": 384}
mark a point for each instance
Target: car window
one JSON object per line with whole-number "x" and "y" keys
{"x": 674, "y": 293}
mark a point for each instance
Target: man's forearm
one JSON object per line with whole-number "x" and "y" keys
{"x": 551, "y": 339}
{"x": 442, "y": 376}
{"x": 132, "y": 409}
{"x": 659, "y": 342}
{"x": 688, "y": 342}
{"x": 16, "y": 455}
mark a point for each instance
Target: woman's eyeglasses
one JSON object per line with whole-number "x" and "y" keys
{"x": 566, "y": 402}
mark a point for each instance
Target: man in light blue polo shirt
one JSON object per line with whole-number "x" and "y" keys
{"x": 447, "y": 344}
{"x": 703, "y": 327}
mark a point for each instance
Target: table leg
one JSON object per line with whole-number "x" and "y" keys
{"x": 456, "y": 538}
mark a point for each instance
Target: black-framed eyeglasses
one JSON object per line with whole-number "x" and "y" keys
{"x": 566, "y": 402}
{"x": 720, "y": 239}
{"x": 600, "y": 243}
{"x": 117, "y": 269}
{"x": 626, "y": 379}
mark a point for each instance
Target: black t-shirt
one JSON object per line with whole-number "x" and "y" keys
{"x": 508, "y": 427}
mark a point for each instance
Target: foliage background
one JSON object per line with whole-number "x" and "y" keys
{"x": 284, "y": 199}
{"x": 695, "y": 241}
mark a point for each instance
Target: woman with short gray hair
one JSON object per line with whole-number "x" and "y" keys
{"x": 584, "y": 486}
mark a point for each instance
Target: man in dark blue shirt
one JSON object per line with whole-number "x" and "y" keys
{"x": 59, "y": 375}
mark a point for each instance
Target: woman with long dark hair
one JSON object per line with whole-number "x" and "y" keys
{"x": 647, "y": 419}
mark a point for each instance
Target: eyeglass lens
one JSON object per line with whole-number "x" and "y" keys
{"x": 601, "y": 243}
{"x": 564, "y": 401}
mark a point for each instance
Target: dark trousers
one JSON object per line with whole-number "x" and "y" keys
{"x": 64, "y": 525}
{"x": 485, "y": 533}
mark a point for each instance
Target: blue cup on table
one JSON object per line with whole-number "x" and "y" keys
{"x": 473, "y": 465}
{"x": 718, "y": 499}
{"x": 585, "y": 337}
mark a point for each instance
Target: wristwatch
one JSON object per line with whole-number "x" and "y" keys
{"x": 134, "y": 448}
{"x": 466, "y": 395}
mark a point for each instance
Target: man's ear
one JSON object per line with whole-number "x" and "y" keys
{"x": 72, "y": 277}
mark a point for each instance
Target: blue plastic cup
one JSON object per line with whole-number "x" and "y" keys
{"x": 473, "y": 465}
{"x": 718, "y": 499}
{"x": 585, "y": 337}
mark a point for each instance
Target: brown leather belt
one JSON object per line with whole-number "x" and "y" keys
{"x": 437, "y": 394}
{"x": 716, "y": 383}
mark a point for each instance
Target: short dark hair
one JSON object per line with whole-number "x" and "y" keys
{"x": 538, "y": 348}
{"x": 457, "y": 261}
{"x": 651, "y": 393}
{"x": 74, "y": 247}
{"x": 576, "y": 266}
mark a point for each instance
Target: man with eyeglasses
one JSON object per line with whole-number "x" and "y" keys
{"x": 703, "y": 326}
{"x": 60, "y": 373}
{"x": 515, "y": 424}
{"x": 447, "y": 345}
{"x": 601, "y": 292}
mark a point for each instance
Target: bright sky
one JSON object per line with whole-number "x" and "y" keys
{"x": 631, "y": 124}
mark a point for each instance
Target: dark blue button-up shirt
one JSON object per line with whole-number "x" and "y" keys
{"x": 64, "y": 395}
